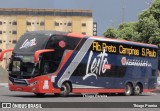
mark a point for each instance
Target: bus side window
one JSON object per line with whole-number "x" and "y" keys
{"x": 53, "y": 43}
{"x": 46, "y": 68}
{"x": 51, "y": 61}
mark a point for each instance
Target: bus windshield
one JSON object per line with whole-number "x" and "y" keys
{"x": 24, "y": 66}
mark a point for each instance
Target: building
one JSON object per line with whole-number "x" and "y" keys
{"x": 15, "y": 22}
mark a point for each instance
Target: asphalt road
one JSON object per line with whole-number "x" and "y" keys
{"x": 8, "y": 96}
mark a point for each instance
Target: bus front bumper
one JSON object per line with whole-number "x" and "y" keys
{"x": 34, "y": 89}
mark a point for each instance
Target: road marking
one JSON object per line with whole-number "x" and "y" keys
{"x": 152, "y": 93}
{"x": 4, "y": 84}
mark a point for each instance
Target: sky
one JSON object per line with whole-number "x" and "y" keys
{"x": 105, "y": 12}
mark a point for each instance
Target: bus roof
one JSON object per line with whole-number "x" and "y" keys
{"x": 111, "y": 39}
{"x": 77, "y": 35}
{"x": 33, "y": 41}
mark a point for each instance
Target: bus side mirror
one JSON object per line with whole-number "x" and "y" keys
{"x": 38, "y": 52}
{"x": 3, "y": 52}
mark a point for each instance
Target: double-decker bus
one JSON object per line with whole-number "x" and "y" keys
{"x": 63, "y": 63}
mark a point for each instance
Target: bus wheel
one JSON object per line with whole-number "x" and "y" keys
{"x": 137, "y": 89}
{"x": 39, "y": 94}
{"x": 128, "y": 89}
{"x": 65, "y": 89}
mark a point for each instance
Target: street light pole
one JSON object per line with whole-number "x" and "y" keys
{"x": 123, "y": 11}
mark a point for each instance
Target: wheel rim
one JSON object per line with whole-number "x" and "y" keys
{"x": 63, "y": 89}
{"x": 128, "y": 89}
{"x": 137, "y": 89}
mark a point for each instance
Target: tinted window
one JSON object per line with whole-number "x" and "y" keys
{"x": 14, "y": 32}
{"x": 69, "y": 24}
{"x": 62, "y": 42}
{"x": 42, "y": 24}
{"x": 51, "y": 61}
{"x": 83, "y": 24}
{"x": 56, "y": 24}
{"x": 28, "y": 23}
{"x": 14, "y": 41}
{"x": 14, "y": 23}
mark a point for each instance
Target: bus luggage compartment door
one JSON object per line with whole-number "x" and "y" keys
{"x": 152, "y": 83}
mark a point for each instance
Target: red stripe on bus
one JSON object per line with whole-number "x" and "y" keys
{"x": 76, "y": 35}
{"x": 38, "y": 52}
{"x": 148, "y": 90}
{"x": 3, "y": 52}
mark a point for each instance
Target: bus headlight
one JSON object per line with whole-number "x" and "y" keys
{"x": 33, "y": 83}
{"x": 53, "y": 78}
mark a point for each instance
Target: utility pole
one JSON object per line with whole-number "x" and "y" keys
{"x": 123, "y": 11}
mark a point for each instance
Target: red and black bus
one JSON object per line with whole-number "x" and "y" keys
{"x": 63, "y": 63}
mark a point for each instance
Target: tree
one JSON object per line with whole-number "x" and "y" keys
{"x": 155, "y": 10}
{"x": 144, "y": 14}
{"x": 128, "y": 33}
{"x": 111, "y": 33}
{"x": 155, "y": 40}
{"x": 147, "y": 27}
{"x": 128, "y": 24}
{"x": 125, "y": 31}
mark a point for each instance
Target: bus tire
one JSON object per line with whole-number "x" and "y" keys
{"x": 39, "y": 94}
{"x": 65, "y": 89}
{"x": 137, "y": 89}
{"x": 128, "y": 89}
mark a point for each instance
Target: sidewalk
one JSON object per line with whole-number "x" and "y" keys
{"x": 3, "y": 75}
